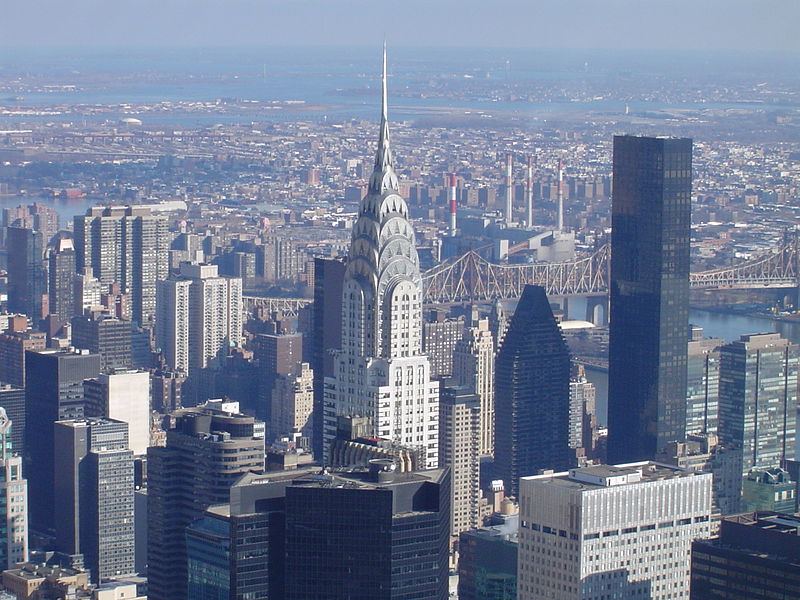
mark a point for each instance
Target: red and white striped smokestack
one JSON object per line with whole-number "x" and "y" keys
{"x": 453, "y": 206}
{"x": 529, "y": 191}
{"x": 560, "y": 195}
{"x": 509, "y": 190}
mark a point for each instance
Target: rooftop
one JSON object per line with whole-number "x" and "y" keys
{"x": 601, "y": 476}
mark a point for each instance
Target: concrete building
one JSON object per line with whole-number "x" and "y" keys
{"x": 122, "y": 396}
{"x": 128, "y": 246}
{"x": 649, "y": 295}
{"x": 32, "y": 581}
{"x": 101, "y": 333}
{"x": 13, "y": 500}
{"x": 440, "y": 335}
{"x": 199, "y": 318}
{"x": 611, "y": 532}
{"x": 756, "y": 556}
{"x": 14, "y": 342}
{"x": 293, "y": 403}
{"x": 277, "y": 354}
{"x": 532, "y": 404}
{"x": 459, "y": 450}
{"x": 380, "y": 371}
{"x": 94, "y": 485}
{"x": 583, "y": 430}
{"x": 206, "y": 451}
{"x": 88, "y": 291}
{"x": 769, "y": 490}
{"x": 473, "y": 366}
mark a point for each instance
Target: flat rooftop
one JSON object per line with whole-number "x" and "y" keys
{"x": 603, "y": 476}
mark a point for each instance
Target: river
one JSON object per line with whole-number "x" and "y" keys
{"x": 725, "y": 326}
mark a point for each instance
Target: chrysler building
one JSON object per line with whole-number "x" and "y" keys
{"x": 380, "y": 371}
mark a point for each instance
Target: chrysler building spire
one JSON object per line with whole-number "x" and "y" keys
{"x": 383, "y": 175}
{"x": 381, "y": 359}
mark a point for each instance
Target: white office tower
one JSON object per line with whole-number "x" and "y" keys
{"x": 473, "y": 366}
{"x": 293, "y": 403}
{"x": 380, "y": 371}
{"x": 122, "y": 396}
{"x": 199, "y": 317}
{"x": 14, "y": 504}
{"x": 608, "y": 532}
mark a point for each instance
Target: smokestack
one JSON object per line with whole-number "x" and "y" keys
{"x": 560, "y": 196}
{"x": 452, "y": 204}
{"x": 509, "y": 190}
{"x": 529, "y": 190}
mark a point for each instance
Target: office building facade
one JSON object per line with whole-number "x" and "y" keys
{"x": 13, "y": 500}
{"x": 94, "y": 485}
{"x": 205, "y": 453}
{"x": 122, "y": 396}
{"x": 702, "y": 381}
{"x": 611, "y": 532}
{"x": 27, "y": 276}
{"x": 101, "y": 333}
{"x": 57, "y": 395}
{"x": 756, "y": 556}
{"x": 649, "y": 295}
{"x": 61, "y": 276}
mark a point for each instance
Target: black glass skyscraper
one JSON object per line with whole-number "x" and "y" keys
{"x": 531, "y": 393}
{"x": 651, "y": 217}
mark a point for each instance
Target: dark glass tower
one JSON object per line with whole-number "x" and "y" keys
{"x": 651, "y": 215}
{"x": 27, "y": 278}
{"x": 531, "y": 393}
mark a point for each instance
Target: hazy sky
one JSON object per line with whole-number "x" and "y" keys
{"x": 646, "y": 24}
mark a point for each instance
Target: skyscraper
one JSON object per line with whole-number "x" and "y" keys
{"x": 326, "y": 335}
{"x": 459, "y": 450}
{"x": 277, "y": 354}
{"x": 125, "y": 245}
{"x": 611, "y": 532}
{"x": 14, "y": 342}
{"x": 381, "y": 536}
{"x": 13, "y": 500}
{"x": 473, "y": 366}
{"x": 199, "y": 317}
{"x": 649, "y": 295}
{"x": 27, "y": 278}
{"x": 122, "y": 396}
{"x": 702, "y": 381}
{"x": 206, "y": 452}
{"x": 380, "y": 371}
{"x": 758, "y": 378}
{"x": 103, "y": 334}
{"x": 94, "y": 485}
{"x": 292, "y": 403}
{"x": 56, "y": 395}
{"x": 532, "y": 404}
{"x": 61, "y": 274}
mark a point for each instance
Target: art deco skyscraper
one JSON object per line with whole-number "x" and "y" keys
{"x": 651, "y": 212}
{"x": 380, "y": 371}
{"x": 532, "y": 403}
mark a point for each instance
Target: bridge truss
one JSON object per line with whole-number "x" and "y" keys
{"x": 471, "y": 278}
